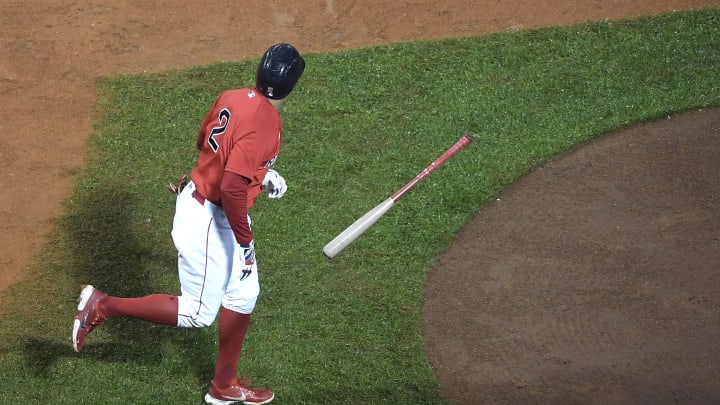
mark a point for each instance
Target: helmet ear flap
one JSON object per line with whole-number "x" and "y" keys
{"x": 279, "y": 70}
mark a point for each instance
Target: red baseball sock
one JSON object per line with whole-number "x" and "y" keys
{"x": 232, "y": 328}
{"x": 156, "y": 308}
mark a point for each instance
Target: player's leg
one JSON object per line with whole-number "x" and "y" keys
{"x": 95, "y": 307}
{"x": 155, "y": 308}
{"x": 237, "y": 307}
{"x": 205, "y": 245}
{"x": 203, "y": 281}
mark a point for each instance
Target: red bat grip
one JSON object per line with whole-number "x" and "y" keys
{"x": 463, "y": 142}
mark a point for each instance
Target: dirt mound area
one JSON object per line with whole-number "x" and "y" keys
{"x": 592, "y": 280}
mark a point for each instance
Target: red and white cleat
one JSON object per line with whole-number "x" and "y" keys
{"x": 237, "y": 392}
{"x": 88, "y": 316}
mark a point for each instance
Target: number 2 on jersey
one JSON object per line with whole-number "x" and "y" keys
{"x": 223, "y": 120}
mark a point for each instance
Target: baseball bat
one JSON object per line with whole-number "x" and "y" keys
{"x": 358, "y": 227}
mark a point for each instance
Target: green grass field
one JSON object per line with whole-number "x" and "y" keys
{"x": 361, "y": 124}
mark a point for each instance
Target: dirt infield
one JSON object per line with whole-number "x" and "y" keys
{"x": 537, "y": 324}
{"x": 592, "y": 280}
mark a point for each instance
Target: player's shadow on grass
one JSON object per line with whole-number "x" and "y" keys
{"x": 121, "y": 257}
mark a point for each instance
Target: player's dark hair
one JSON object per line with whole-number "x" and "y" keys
{"x": 279, "y": 70}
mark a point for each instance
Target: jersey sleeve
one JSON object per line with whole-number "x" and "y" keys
{"x": 253, "y": 153}
{"x": 234, "y": 190}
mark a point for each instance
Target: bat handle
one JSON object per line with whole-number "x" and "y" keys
{"x": 461, "y": 143}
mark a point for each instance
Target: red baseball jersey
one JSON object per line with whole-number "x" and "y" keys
{"x": 240, "y": 134}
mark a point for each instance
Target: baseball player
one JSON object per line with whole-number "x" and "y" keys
{"x": 239, "y": 141}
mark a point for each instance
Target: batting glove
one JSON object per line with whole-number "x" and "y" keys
{"x": 177, "y": 189}
{"x": 274, "y": 184}
{"x": 247, "y": 252}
